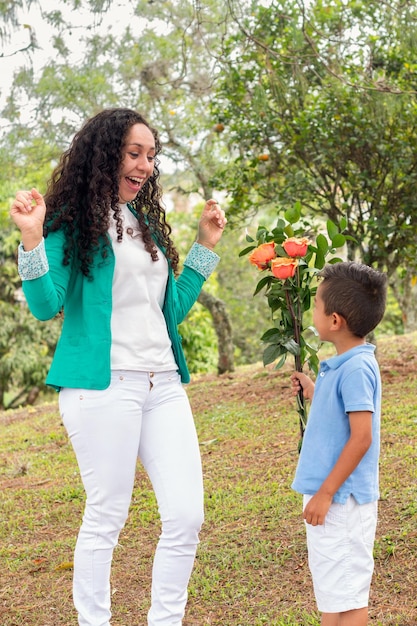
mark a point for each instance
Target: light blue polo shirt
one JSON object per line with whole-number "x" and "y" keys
{"x": 346, "y": 382}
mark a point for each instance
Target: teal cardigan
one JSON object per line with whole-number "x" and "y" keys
{"x": 82, "y": 355}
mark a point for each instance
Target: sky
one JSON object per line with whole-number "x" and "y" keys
{"x": 114, "y": 20}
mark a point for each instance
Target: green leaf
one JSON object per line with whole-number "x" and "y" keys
{"x": 293, "y": 215}
{"x": 332, "y": 229}
{"x": 307, "y": 300}
{"x": 278, "y": 236}
{"x": 247, "y": 250}
{"x": 350, "y": 238}
{"x": 264, "y": 281}
{"x": 320, "y": 260}
{"x": 292, "y": 347}
{"x": 338, "y": 241}
{"x": 280, "y": 251}
{"x": 261, "y": 233}
{"x": 322, "y": 244}
{"x": 280, "y": 362}
{"x": 272, "y": 333}
{"x": 314, "y": 363}
{"x": 271, "y": 353}
{"x": 313, "y": 330}
{"x": 280, "y": 227}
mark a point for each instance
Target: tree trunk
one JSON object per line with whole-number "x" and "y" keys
{"x": 406, "y": 294}
{"x": 223, "y": 330}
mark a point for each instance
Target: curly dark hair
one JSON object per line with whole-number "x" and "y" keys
{"x": 83, "y": 191}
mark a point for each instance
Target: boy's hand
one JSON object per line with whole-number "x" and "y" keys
{"x": 316, "y": 509}
{"x": 300, "y": 381}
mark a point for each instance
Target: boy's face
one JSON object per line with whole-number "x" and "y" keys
{"x": 321, "y": 321}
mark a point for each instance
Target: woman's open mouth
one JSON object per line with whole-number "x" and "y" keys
{"x": 134, "y": 183}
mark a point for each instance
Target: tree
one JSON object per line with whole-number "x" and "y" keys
{"x": 168, "y": 75}
{"x": 319, "y": 106}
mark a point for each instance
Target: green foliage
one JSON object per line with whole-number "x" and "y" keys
{"x": 26, "y": 345}
{"x": 9, "y": 278}
{"x": 319, "y": 106}
{"x": 26, "y": 348}
{"x": 199, "y": 341}
{"x": 249, "y": 316}
{"x": 392, "y": 323}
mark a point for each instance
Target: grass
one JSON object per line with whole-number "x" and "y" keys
{"x": 251, "y": 567}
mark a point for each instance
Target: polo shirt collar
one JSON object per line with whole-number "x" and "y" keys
{"x": 336, "y": 361}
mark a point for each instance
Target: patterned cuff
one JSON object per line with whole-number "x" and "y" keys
{"x": 202, "y": 260}
{"x": 32, "y": 263}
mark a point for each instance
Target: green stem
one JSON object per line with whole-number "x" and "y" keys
{"x": 297, "y": 324}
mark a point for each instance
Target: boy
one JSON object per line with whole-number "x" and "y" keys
{"x": 337, "y": 471}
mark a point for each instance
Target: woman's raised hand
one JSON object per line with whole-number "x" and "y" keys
{"x": 28, "y": 213}
{"x": 211, "y": 225}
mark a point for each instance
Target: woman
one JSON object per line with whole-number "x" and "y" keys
{"x": 98, "y": 247}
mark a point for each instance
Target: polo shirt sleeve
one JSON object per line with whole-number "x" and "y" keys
{"x": 358, "y": 390}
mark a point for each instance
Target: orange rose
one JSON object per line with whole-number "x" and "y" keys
{"x": 296, "y": 246}
{"x": 262, "y": 255}
{"x": 283, "y": 268}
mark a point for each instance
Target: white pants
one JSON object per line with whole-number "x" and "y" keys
{"x": 148, "y": 416}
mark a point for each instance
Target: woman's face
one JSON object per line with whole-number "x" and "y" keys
{"x": 137, "y": 162}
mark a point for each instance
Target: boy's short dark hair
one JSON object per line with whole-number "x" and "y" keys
{"x": 355, "y": 291}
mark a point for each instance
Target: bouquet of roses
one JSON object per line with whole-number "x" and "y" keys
{"x": 292, "y": 258}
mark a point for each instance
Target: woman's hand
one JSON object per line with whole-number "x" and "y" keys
{"x": 28, "y": 213}
{"x": 211, "y": 225}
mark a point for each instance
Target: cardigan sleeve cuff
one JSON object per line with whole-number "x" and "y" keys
{"x": 202, "y": 260}
{"x": 32, "y": 263}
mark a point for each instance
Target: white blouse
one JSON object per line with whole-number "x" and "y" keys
{"x": 140, "y": 339}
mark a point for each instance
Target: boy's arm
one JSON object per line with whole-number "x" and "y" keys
{"x": 355, "y": 449}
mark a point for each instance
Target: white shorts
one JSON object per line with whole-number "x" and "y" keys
{"x": 340, "y": 555}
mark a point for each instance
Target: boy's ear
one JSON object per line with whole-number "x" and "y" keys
{"x": 338, "y": 322}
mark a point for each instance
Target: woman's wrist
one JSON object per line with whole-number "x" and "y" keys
{"x": 31, "y": 239}
{"x": 204, "y": 243}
